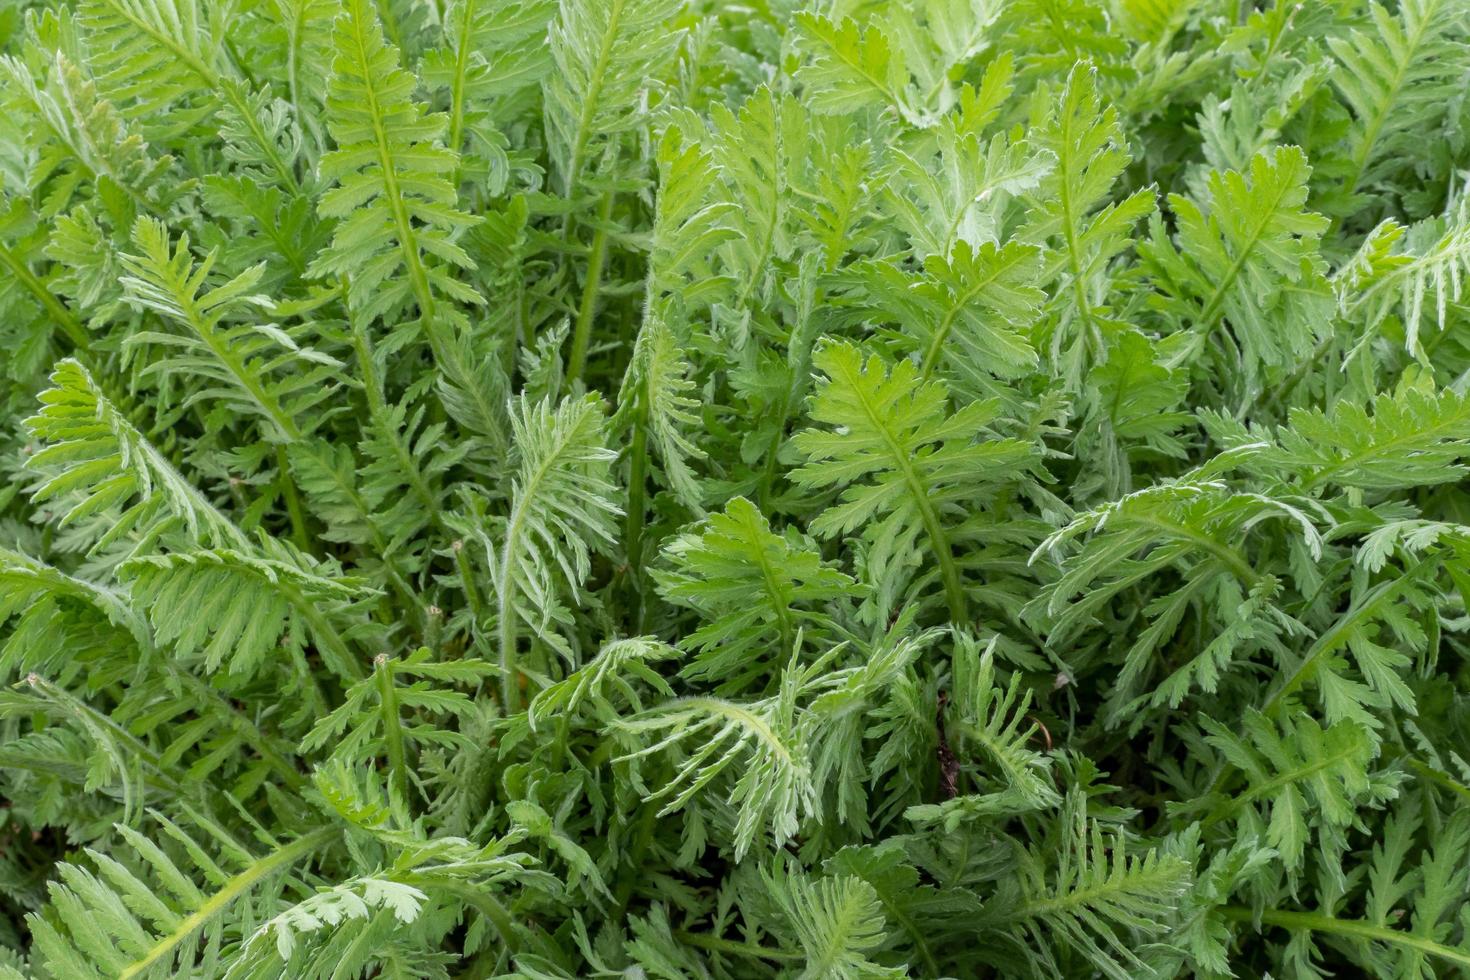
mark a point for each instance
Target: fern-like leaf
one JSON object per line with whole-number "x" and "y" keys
{"x": 398, "y": 216}
{"x": 95, "y": 457}
{"x": 902, "y": 458}
{"x": 852, "y": 66}
{"x": 229, "y": 606}
{"x": 837, "y": 921}
{"x": 774, "y": 786}
{"x": 1292, "y": 771}
{"x": 1252, "y": 230}
{"x": 257, "y": 368}
{"x": 1413, "y": 436}
{"x": 1394, "y": 78}
{"x": 756, "y": 590}
{"x": 561, "y": 507}
{"x": 988, "y": 721}
{"x": 1100, "y": 901}
{"x": 602, "y": 72}
{"x": 1075, "y": 212}
{"x": 609, "y": 673}
{"x": 152, "y": 919}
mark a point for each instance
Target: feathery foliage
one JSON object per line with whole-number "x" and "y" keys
{"x": 652, "y": 488}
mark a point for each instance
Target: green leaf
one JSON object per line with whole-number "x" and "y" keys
{"x": 1248, "y": 255}
{"x": 396, "y": 237}
{"x": 229, "y": 606}
{"x": 1299, "y": 777}
{"x": 901, "y": 459}
{"x": 561, "y": 508}
{"x": 837, "y": 921}
{"x": 852, "y": 67}
{"x": 1412, "y": 436}
{"x": 754, "y": 589}
{"x": 1101, "y": 901}
{"x": 99, "y": 463}
{"x": 152, "y": 920}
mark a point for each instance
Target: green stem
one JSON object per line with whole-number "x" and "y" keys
{"x": 467, "y": 583}
{"x": 486, "y": 905}
{"x": 293, "y": 503}
{"x": 634, "y": 868}
{"x": 59, "y": 314}
{"x": 461, "y": 68}
{"x": 582, "y": 332}
{"x": 768, "y": 471}
{"x": 784, "y": 624}
{"x": 510, "y": 692}
{"x": 1361, "y": 931}
{"x": 916, "y": 933}
{"x": 334, "y": 649}
{"x": 590, "y": 101}
{"x": 731, "y": 947}
{"x": 560, "y": 748}
{"x": 949, "y": 571}
{"x": 1438, "y": 778}
{"x": 393, "y": 739}
{"x": 637, "y": 477}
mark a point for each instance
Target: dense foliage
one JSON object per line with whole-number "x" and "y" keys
{"x": 660, "y": 488}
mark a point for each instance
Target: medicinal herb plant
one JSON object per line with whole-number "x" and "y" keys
{"x": 674, "y": 489}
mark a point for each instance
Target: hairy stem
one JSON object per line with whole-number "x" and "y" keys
{"x": 392, "y": 739}
{"x": 1360, "y": 931}
{"x": 597, "y": 256}
{"x": 734, "y": 948}
{"x": 637, "y": 478}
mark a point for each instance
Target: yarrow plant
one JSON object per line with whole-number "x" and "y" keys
{"x": 663, "y": 488}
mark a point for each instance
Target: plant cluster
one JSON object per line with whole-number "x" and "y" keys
{"x": 664, "y": 488}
